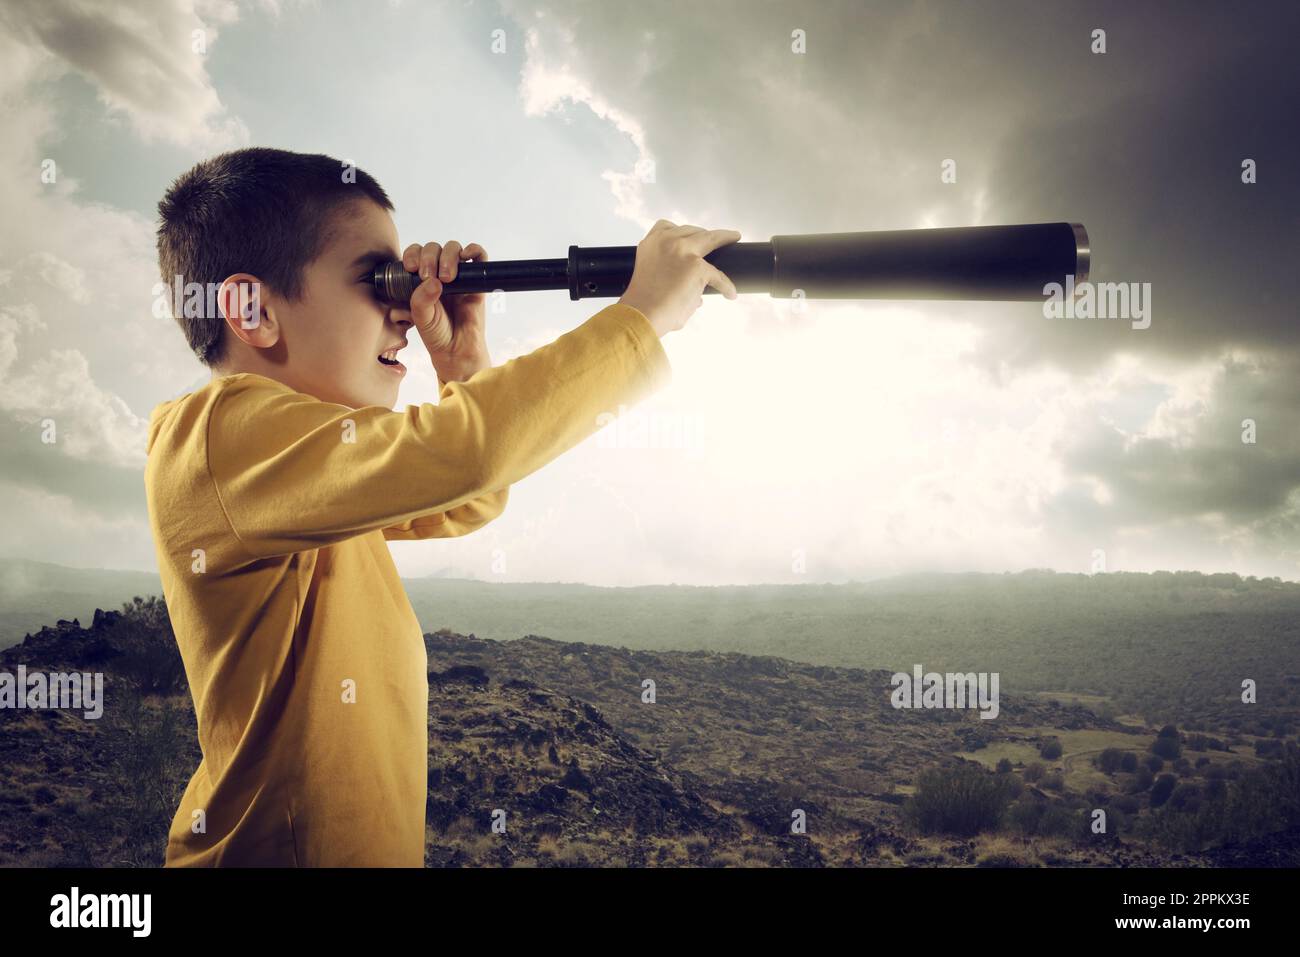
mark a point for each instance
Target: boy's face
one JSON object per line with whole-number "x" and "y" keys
{"x": 329, "y": 342}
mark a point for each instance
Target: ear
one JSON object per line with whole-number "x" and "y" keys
{"x": 243, "y": 306}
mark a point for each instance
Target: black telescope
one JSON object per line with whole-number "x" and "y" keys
{"x": 965, "y": 262}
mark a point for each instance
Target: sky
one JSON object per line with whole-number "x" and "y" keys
{"x": 833, "y": 441}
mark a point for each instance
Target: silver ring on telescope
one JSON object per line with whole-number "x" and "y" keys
{"x": 1082, "y": 254}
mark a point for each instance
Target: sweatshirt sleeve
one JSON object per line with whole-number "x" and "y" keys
{"x": 458, "y": 521}
{"x": 293, "y": 473}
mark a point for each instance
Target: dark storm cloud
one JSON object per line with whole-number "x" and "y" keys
{"x": 1151, "y": 160}
{"x": 1143, "y": 144}
{"x": 1210, "y": 469}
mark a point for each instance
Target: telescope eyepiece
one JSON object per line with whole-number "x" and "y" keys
{"x": 393, "y": 283}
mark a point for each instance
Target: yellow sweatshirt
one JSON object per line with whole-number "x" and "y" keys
{"x": 271, "y": 514}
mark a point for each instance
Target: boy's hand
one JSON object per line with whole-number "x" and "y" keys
{"x": 454, "y": 334}
{"x": 670, "y": 274}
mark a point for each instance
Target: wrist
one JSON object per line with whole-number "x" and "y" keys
{"x": 458, "y": 371}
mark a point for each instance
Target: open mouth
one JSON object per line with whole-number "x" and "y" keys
{"x": 389, "y": 359}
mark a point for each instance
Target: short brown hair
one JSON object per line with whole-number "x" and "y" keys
{"x": 262, "y": 211}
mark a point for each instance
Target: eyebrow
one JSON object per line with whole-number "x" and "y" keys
{"x": 374, "y": 257}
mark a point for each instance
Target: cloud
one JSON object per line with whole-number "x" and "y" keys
{"x": 1141, "y": 436}
{"x": 145, "y": 60}
{"x": 872, "y": 437}
{"x": 75, "y": 292}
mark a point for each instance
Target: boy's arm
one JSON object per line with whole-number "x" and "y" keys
{"x": 459, "y": 521}
{"x": 450, "y": 524}
{"x": 294, "y": 473}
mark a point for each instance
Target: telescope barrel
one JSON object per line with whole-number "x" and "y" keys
{"x": 966, "y": 262}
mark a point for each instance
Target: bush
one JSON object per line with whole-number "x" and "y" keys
{"x": 1051, "y": 750}
{"x": 142, "y": 747}
{"x": 1054, "y": 781}
{"x": 150, "y": 659}
{"x": 1034, "y": 771}
{"x": 1268, "y": 748}
{"x": 1186, "y": 797}
{"x": 1127, "y": 803}
{"x": 1155, "y": 764}
{"x": 1004, "y": 766}
{"x": 1162, "y": 789}
{"x": 1024, "y": 816}
{"x": 1142, "y": 781}
{"x": 961, "y": 800}
{"x": 1129, "y": 762}
{"x": 1166, "y": 747}
{"x": 1039, "y": 819}
{"x": 1257, "y": 804}
{"x": 1058, "y": 821}
{"x": 1109, "y": 761}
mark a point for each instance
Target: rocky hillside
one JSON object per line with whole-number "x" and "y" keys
{"x": 565, "y": 739}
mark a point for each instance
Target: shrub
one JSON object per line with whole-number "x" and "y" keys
{"x": 1058, "y": 821}
{"x": 1186, "y": 797}
{"x": 1054, "y": 781}
{"x": 1268, "y": 748}
{"x": 1023, "y": 816}
{"x": 1142, "y": 781}
{"x": 1110, "y": 760}
{"x": 1129, "y": 762}
{"x": 962, "y": 800}
{"x": 1154, "y": 763}
{"x": 1161, "y": 790}
{"x": 1126, "y": 803}
{"x": 1004, "y": 766}
{"x": 1038, "y": 818}
{"x": 1256, "y": 804}
{"x": 150, "y": 659}
{"x": 1051, "y": 750}
{"x": 1166, "y": 747}
{"x": 1034, "y": 771}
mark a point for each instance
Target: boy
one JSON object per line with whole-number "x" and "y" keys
{"x": 274, "y": 489}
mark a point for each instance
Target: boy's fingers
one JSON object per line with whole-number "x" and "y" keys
{"x": 475, "y": 252}
{"x": 449, "y": 261}
{"x": 429, "y": 259}
{"x": 411, "y": 257}
{"x": 705, "y": 241}
{"x": 426, "y": 293}
{"x": 720, "y": 281}
{"x": 424, "y": 303}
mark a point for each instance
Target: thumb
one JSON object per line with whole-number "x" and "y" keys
{"x": 429, "y": 316}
